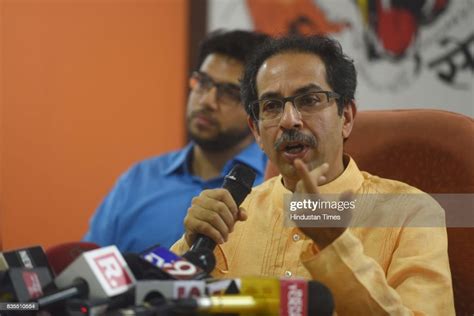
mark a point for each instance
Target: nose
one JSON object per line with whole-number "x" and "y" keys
{"x": 290, "y": 118}
{"x": 209, "y": 98}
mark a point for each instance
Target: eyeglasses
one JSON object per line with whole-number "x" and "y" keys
{"x": 306, "y": 104}
{"x": 227, "y": 93}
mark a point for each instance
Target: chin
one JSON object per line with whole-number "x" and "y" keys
{"x": 203, "y": 135}
{"x": 287, "y": 170}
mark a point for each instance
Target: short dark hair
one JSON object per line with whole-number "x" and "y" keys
{"x": 340, "y": 71}
{"x": 236, "y": 44}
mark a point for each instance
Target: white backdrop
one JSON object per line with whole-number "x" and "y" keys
{"x": 435, "y": 69}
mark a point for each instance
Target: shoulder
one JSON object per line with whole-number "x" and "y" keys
{"x": 155, "y": 166}
{"x": 378, "y": 184}
{"x": 400, "y": 196}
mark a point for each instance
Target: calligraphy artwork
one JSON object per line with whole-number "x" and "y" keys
{"x": 459, "y": 58}
{"x": 408, "y": 53}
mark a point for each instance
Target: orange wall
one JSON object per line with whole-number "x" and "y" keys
{"x": 1, "y": 121}
{"x": 89, "y": 87}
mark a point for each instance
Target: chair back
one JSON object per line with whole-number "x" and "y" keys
{"x": 432, "y": 150}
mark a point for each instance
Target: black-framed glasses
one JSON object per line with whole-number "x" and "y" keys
{"x": 227, "y": 93}
{"x": 306, "y": 104}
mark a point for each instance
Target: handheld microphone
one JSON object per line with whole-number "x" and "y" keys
{"x": 239, "y": 183}
{"x": 96, "y": 274}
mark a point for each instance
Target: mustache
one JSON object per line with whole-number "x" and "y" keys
{"x": 293, "y": 135}
{"x": 203, "y": 112}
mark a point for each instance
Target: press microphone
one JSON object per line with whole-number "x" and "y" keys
{"x": 144, "y": 270}
{"x": 24, "y": 284}
{"x": 161, "y": 275}
{"x": 239, "y": 183}
{"x": 295, "y": 298}
{"x": 31, "y": 257}
{"x": 268, "y": 287}
{"x": 172, "y": 265}
{"x": 97, "y": 274}
{"x": 149, "y": 290}
{"x": 24, "y": 274}
{"x": 29, "y": 272}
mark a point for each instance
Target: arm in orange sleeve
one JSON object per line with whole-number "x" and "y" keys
{"x": 417, "y": 281}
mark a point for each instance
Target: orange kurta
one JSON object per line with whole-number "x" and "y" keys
{"x": 370, "y": 270}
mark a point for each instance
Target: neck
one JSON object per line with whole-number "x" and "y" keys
{"x": 208, "y": 164}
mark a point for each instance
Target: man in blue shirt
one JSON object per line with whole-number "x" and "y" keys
{"x": 148, "y": 203}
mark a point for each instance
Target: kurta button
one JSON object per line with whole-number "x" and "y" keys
{"x": 296, "y": 237}
{"x": 288, "y": 274}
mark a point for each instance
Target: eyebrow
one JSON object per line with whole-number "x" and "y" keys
{"x": 222, "y": 83}
{"x": 308, "y": 88}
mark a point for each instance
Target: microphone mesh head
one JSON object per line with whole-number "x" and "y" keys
{"x": 243, "y": 174}
{"x": 239, "y": 182}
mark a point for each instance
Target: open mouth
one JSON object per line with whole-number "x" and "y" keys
{"x": 295, "y": 145}
{"x": 294, "y": 148}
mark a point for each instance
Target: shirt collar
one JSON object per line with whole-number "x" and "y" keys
{"x": 251, "y": 156}
{"x": 181, "y": 160}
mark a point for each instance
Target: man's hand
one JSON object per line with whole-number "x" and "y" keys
{"x": 308, "y": 184}
{"x": 213, "y": 213}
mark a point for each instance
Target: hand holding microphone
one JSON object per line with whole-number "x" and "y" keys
{"x": 212, "y": 216}
{"x": 213, "y": 213}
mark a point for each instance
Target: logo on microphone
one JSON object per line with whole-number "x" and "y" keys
{"x": 25, "y": 258}
{"x": 112, "y": 270}
{"x": 33, "y": 284}
{"x": 294, "y": 297}
{"x": 172, "y": 264}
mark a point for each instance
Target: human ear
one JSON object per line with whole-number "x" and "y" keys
{"x": 348, "y": 115}
{"x": 253, "y": 125}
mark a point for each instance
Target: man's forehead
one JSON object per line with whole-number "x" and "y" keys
{"x": 291, "y": 70}
{"x": 222, "y": 68}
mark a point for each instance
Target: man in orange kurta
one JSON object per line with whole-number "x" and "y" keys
{"x": 299, "y": 93}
